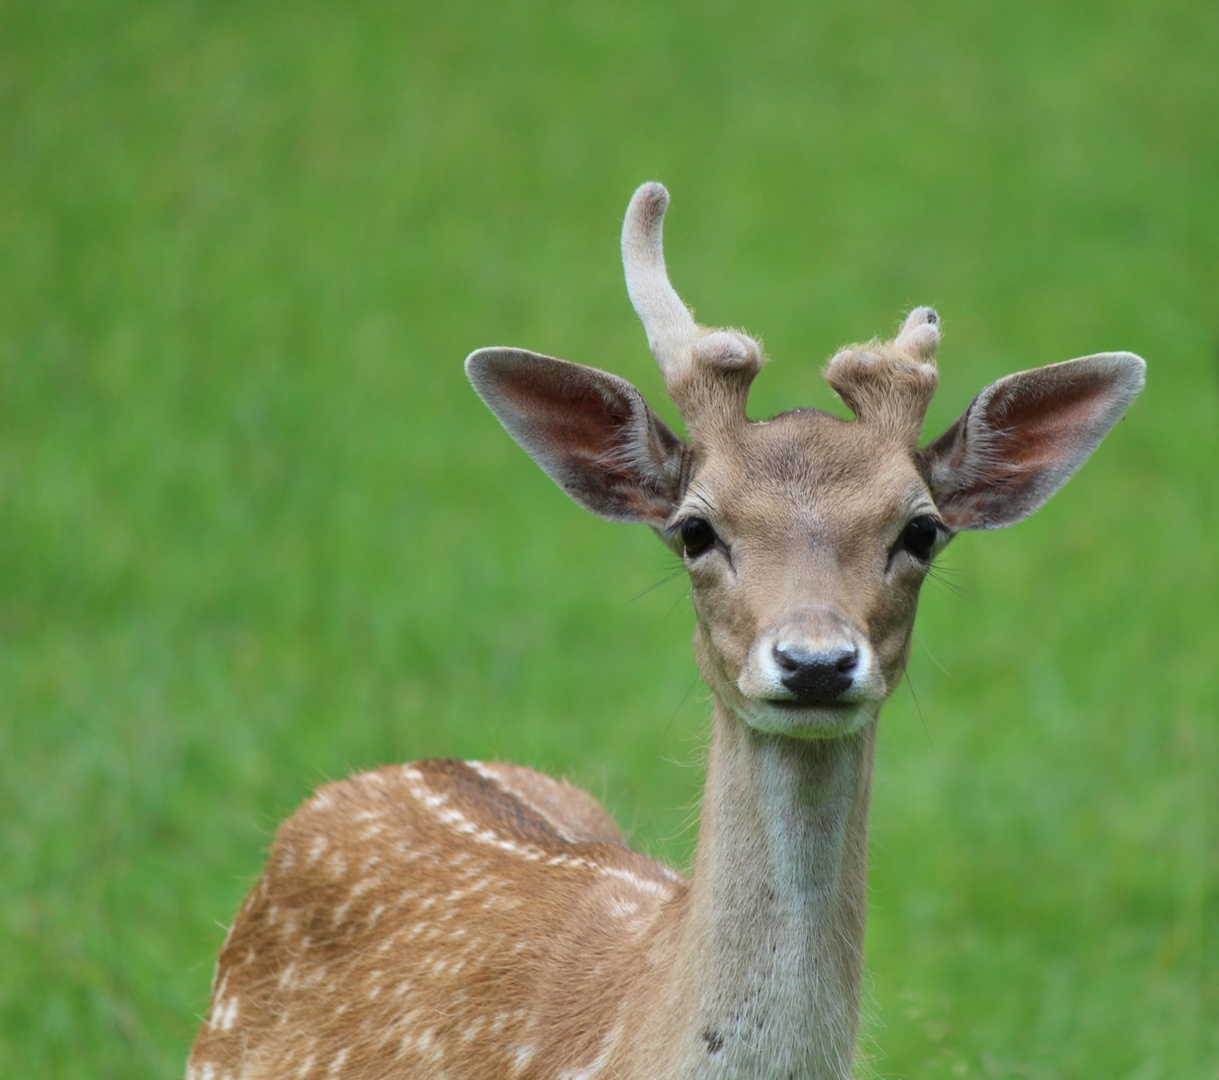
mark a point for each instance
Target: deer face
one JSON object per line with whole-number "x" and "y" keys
{"x": 806, "y": 540}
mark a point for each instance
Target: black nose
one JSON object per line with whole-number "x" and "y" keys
{"x": 816, "y": 678}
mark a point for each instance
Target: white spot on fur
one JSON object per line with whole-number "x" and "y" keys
{"x": 622, "y": 909}
{"x": 598, "y": 1063}
{"x": 229, "y": 1015}
{"x": 364, "y": 884}
{"x": 221, "y": 982}
{"x": 287, "y": 860}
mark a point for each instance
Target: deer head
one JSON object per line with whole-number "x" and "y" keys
{"x": 806, "y": 536}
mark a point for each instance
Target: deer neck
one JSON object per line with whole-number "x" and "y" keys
{"x": 768, "y": 960}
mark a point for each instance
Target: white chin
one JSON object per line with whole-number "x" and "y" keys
{"x": 806, "y": 721}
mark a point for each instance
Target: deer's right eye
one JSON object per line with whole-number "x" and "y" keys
{"x": 697, "y": 536}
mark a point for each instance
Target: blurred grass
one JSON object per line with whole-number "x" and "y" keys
{"x": 256, "y": 532}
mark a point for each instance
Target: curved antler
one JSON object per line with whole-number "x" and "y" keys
{"x": 694, "y": 361}
{"x": 670, "y": 327}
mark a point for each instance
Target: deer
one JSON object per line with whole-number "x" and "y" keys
{"x": 468, "y": 919}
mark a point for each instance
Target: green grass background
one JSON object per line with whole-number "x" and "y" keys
{"x": 257, "y": 532}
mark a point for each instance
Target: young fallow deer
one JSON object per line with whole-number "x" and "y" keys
{"x": 464, "y": 919}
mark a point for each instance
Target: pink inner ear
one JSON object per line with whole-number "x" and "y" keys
{"x": 574, "y": 420}
{"x": 1038, "y": 424}
{"x": 1026, "y": 435}
{"x": 590, "y": 434}
{"x": 590, "y": 431}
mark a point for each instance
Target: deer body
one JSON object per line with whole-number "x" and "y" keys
{"x": 450, "y": 919}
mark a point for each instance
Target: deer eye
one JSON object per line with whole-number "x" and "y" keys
{"x": 919, "y": 536}
{"x": 697, "y": 536}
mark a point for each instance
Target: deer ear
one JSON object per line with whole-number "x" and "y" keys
{"x": 1025, "y": 436}
{"x": 591, "y": 432}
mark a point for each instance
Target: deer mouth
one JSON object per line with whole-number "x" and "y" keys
{"x": 794, "y": 718}
{"x": 795, "y": 705}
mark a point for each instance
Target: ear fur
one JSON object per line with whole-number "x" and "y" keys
{"x": 590, "y": 431}
{"x": 1025, "y": 436}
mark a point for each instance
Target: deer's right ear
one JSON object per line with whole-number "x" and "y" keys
{"x": 591, "y": 432}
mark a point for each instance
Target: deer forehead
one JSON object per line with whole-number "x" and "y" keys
{"x": 810, "y": 474}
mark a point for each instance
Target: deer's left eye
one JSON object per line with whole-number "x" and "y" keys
{"x": 920, "y": 535}
{"x": 697, "y": 536}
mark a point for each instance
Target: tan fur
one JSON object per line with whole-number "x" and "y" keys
{"x": 471, "y": 920}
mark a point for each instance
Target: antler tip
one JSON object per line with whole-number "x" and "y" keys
{"x": 652, "y": 193}
{"x": 920, "y": 333}
{"x": 646, "y": 212}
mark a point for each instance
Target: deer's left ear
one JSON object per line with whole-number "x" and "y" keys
{"x": 590, "y": 431}
{"x": 1025, "y": 436}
